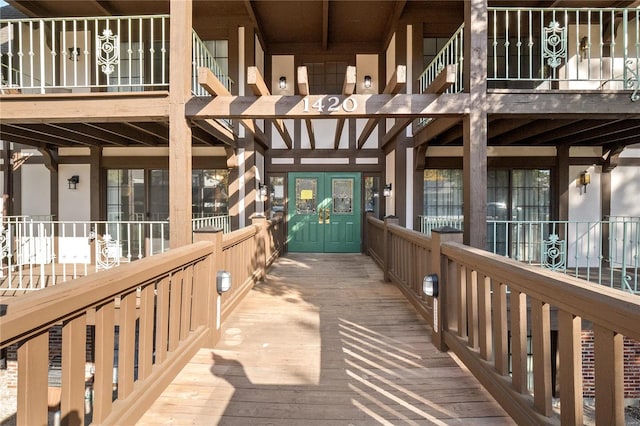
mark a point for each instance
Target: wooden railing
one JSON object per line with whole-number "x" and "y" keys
{"x": 160, "y": 311}
{"x": 487, "y": 308}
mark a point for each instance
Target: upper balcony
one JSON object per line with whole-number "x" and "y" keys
{"x": 552, "y": 49}
{"x": 94, "y": 54}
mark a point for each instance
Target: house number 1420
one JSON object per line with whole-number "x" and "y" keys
{"x": 332, "y": 104}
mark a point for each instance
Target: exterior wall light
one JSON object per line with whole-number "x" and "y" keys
{"x": 73, "y": 181}
{"x": 367, "y": 82}
{"x": 223, "y": 281}
{"x": 282, "y": 83}
{"x": 430, "y": 285}
{"x": 264, "y": 190}
{"x": 585, "y": 179}
{"x": 387, "y": 190}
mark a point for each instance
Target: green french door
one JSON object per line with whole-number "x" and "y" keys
{"x": 324, "y": 212}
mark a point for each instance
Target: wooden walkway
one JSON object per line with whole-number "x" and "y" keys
{"x": 324, "y": 341}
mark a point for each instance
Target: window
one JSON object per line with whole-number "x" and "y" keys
{"x": 431, "y": 47}
{"x": 443, "y": 193}
{"x": 210, "y": 192}
{"x": 326, "y": 77}
{"x": 220, "y": 51}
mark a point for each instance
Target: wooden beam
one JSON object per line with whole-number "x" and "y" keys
{"x": 303, "y": 81}
{"x": 75, "y": 107}
{"x": 159, "y": 130}
{"x": 310, "y": 133}
{"x": 392, "y": 23}
{"x": 360, "y": 106}
{"x": 120, "y": 129}
{"x": 398, "y": 127}
{"x": 11, "y": 134}
{"x": 256, "y": 82}
{"x": 569, "y": 105}
{"x": 610, "y": 132}
{"x": 325, "y": 24}
{"x": 50, "y": 158}
{"x": 445, "y": 79}
{"x": 94, "y": 133}
{"x": 214, "y": 128}
{"x": 433, "y": 129}
{"x": 348, "y": 87}
{"x": 395, "y": 84}
{"x": 259, "y": 88}
{"x": 517, "y": 135}
{"x": 209, "y": 82}
{"x": 57, "y": 134}
{"x": 256, "y": 23}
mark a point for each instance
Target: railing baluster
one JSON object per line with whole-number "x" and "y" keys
{"x": 33, "y": 364}
{"x": 104, "y": 347}
{"x": 484, "y": 317}
{"x": 499, "y": 322}
{"x": 74, "y": 340}
{"x": 127, "y": 344}
{"x": 175, "y": 296}
{"x": 609, "y": 371}
{"x": 518, "y": 340}
{"x": 541, "y": 339}
{"x": 145, "y": 339}
{"x": 571, "y": 399}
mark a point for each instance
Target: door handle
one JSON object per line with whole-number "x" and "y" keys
{"x": 320, "y": 216}
{"x": 327, "y": 215}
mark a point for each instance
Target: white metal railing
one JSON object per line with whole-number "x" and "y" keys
{"x": 202, "y": 57}
{"x": 37, "y": 252}
{"x": 564, "y": 48}
{"x": 451, "y": 53}
{"x": 221, "y": 222}
{"x": 606, "y": 252}
{"x": 79, "y": 54}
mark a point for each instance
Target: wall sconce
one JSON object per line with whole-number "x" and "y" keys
{"x": 74, "y": 54}
{"x": 430, "y": 285}
{"x": 584, "y": 48}
{"x": 264, "y": 190}
{"x": 367, "y": 82}
{"x": 73, "y": 181}
{"x": 223, "y": 281}
{"x": 387, "y": 190}
{"x": 584, "y": 180}
{"x": 282, "y": 83}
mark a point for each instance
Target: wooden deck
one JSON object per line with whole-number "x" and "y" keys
{"x": 324, "y": 340}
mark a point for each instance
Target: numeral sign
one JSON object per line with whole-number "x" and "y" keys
{"x": 332, "y": 104}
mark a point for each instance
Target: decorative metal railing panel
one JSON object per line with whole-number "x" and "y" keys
{"x": 38, "y": 253}
{"x": 605, "y": 252}
{"x": 564, "y": 48}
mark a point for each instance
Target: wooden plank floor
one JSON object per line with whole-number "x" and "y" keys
{"x": 324, "y": 341}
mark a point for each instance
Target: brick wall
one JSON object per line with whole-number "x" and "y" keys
{"x": 631, "y": 366}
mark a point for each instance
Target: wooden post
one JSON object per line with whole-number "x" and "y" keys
{"x": 475, "y": 123}
{"x": 389, "y": 220}
{"x": 179, "y": 129}
{"x": 439, "y": 263}
{"x": 212, "y": 303}
{"x": 261, "y": 244}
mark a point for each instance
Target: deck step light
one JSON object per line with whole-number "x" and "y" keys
{"x": 430, "y": 285}
{"x": 223, "y": 281}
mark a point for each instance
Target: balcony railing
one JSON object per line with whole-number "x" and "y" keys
{"x": 605, "y": 252}
{"x": 39, "y": 253}
{"x": 115, "y": 54}
{"x": 568, "y": 48}
{"x": 451, "y": 53}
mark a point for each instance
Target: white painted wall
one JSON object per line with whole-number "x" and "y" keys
{"x": 36, "y": 190}
{"x": 324, "y": 131}
{"x": 390, "y": 172}
{"x": 259, "y": 56}
{"x": 584, "y": 206}
{"x": 372, "y": 140}
{"x": 625, "y": 186}
{"x": 74, "y": 204}
{"x": 368, "y": 65}
{"x": 391, "y": 66}
{"x": 283, "y": 66}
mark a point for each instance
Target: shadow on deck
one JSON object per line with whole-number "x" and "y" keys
{"x": 324, "y": 340}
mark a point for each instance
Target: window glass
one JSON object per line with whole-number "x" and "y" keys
{"x": 306, "y": 195}
{"x": 342, "y": 194}
{"x": 210, "y": 192}
{"x": 443, "y": 193}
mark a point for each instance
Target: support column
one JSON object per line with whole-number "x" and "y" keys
{"x": 563, "y": 182}
{"x": 95, "y": 184}
{"x": 475, "y": 124}
{"x": 179, "y": 129}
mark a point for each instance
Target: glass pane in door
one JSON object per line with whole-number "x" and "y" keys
{"x": 306, "y": 195}
{"x": 342, "y": 194}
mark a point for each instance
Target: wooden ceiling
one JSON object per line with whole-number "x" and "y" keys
{"x": 320, "y": 28}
